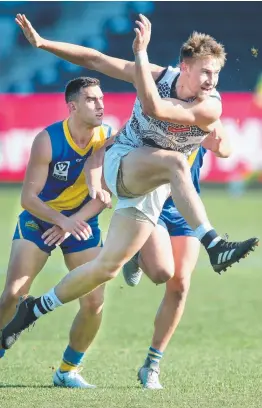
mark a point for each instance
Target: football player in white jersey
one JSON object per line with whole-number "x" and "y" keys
{"x": 140, "y": 175}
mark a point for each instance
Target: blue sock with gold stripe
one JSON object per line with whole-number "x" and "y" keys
{"x": 154, "y": 355}
{"x": 71, "y": 359}
{"x": 2, "y": 353}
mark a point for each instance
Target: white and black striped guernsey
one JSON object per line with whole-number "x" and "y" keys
{"x": 142, "y": 130}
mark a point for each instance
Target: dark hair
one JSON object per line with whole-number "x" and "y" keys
{"x": 201, "y": 45}
{"x": 74, "y": 87}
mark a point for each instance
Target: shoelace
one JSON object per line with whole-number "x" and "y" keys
{"x": 228, "y": 245}
{"x": 225, "y": 236}
{"x": 30, "y": 327}
{"x": 76, "y": 371}
{"x": 153, "y": 374}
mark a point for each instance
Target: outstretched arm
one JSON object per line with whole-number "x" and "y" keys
{"x": 197, "y": 113}
{"x": 85, "y": 57}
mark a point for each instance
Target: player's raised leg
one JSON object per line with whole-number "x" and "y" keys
{"x": 126, "y": 236}
{"x": 143, "y": 171}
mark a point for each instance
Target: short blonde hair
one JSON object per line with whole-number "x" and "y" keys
{"x": 201, "y": 45}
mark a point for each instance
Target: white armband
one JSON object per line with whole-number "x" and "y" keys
{"x": 141, "y": 57}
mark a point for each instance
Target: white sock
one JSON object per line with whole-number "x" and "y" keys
{"x": 202, "y": 230}
{"x": 47, "y": 303}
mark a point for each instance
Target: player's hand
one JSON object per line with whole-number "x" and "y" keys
{"x": 78, "y": 228}
{"x": 143, "y": 34}
{"x": 55, "y": 236}
{"x": 102, "y": 195}
{"x": 30, "y": 33}
{"x": 212, "y": 142}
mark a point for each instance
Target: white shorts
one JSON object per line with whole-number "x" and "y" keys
{"x": 150, "y": 204}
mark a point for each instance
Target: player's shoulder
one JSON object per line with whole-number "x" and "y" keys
{"x": 42, "y": 137}
{"x": 55, "y": 127}
{"x": 41, "y": 147}
{"x": 168, "y": 73}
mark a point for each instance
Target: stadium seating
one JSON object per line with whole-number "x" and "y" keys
{"x": 108, "y": 26}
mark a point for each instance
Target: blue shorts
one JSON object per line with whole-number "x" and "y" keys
{"x": 31, "y": 228}
{"x": 173, "y": 221}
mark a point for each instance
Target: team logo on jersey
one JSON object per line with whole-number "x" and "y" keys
{"x": 174, "y": 129}
{"x": 61, "y": 170}
{"x": 32, "y": 225}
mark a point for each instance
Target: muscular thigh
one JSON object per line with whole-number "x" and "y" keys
{"x": 144, "y": 169}
{"x": 126, "y": 236}
{"x": 26, "y": 261}
{"x": 75, "y": 259}
{"x": 156, "y": 254}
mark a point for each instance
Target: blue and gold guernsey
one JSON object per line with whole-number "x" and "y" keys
{"x": 170, "y": 218}
{"x": 65, "y": 189}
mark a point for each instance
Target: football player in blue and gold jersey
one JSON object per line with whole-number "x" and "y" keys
{"x": 171, "y": 247}
{"x": 58, "y": 210}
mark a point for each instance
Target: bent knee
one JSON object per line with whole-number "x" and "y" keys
{"x": 92, "y": 304}
{"x": 107, "y": 269}
{"x": 162, "y": 275}
{"x": 180, "y": 285}
{"x": 177, "y": 160}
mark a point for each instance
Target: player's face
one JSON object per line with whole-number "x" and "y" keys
{"x": 89, "y": 106}
{"x": 203, "y": 76}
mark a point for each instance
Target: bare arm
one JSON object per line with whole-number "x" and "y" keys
{"x": 85, "y": 57}
{"x": 35, "y": 179}
{"x": 94, "y": 173}
{"x": 218, "y": 142}
{"x": 89, "y": 210}
{"x": 199, "y": 113}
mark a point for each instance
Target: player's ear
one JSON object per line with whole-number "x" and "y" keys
{"x": 183, "y": 67}
{"x": 71, "y": 106}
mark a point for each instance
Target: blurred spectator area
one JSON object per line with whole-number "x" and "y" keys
{"x": 108, "y": 27}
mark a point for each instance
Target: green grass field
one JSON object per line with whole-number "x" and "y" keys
{"x": 213, "y": 361}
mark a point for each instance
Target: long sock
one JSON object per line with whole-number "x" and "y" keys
{"x": 2, "y": 353}
{"x": 154, "y": 355}
{"x": 207, "y": 235}
{"x": 46, "y": 303}
{"x": 71, "y": 359}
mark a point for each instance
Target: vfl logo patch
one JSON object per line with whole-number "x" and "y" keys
{"x": 61, "y": 170}
{"x": 32, "y": 225}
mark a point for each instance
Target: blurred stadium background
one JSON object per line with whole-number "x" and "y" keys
{"x": 218, "y": 347}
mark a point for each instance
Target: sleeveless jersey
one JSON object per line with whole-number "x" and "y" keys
{"x": 65, "y": 189}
